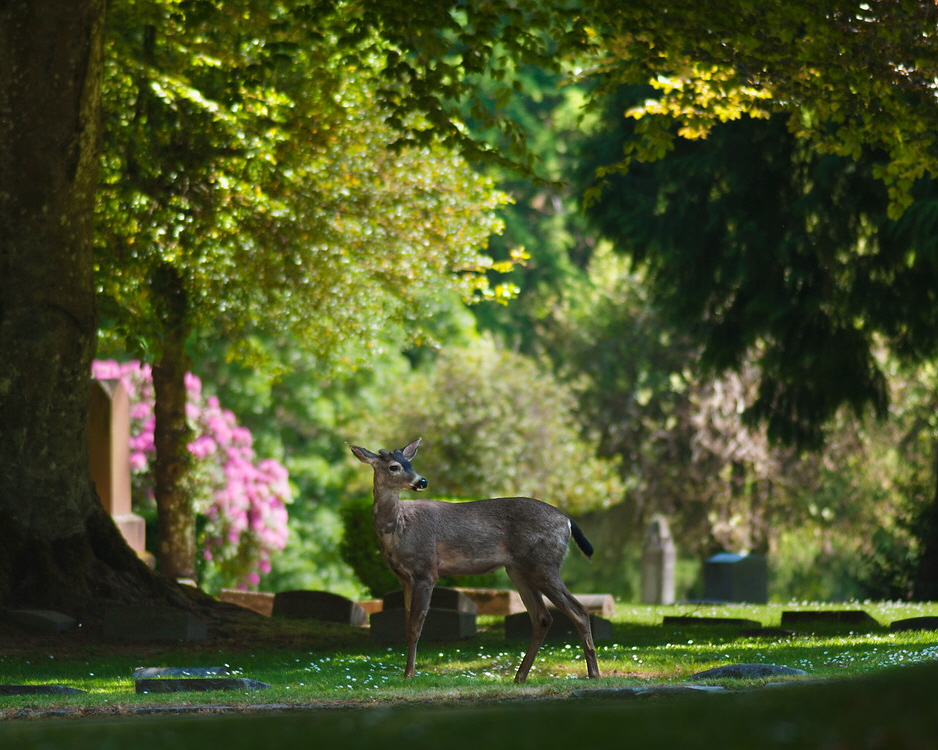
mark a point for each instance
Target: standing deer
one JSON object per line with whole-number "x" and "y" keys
{"x": 422, "y": 540}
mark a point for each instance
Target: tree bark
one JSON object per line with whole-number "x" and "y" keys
{"x": 925, "y": 587}
{"x": 58, "y": 547}
{"x": 175, "y": 514}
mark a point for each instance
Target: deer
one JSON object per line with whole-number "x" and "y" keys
{"x": 422, "y": 540}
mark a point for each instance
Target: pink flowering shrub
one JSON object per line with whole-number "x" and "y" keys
{"x": 241, "y": 500}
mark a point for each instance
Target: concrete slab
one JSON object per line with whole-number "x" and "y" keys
{"x": 199, "y": 684}
{"x": 149, "y": 673}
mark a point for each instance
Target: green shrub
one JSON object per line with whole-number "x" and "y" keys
{"x": 359, "y": 548}
{"x": 494, "y": 424}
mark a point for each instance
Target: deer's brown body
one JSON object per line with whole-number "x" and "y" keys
{"x": 422, "y": 540}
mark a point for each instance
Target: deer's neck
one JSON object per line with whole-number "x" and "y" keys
{"x": 386, "y": 511}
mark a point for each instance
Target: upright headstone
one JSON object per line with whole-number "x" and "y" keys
{"x": 319, "y": 605}
{"x": 441, "y": 625}
{"x": 43, "y": 620}
{"x": 730, "y": 577}
{"x": 518, "y": 627}
{"x": 139, "y": 622}
{"x": 109, "y": 457}
{"x": 658, "y": 557}
{"x": 451, "y": 617}
{"x": 443, "y": 597}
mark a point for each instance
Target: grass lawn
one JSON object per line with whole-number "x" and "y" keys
{"x": 867, "y": 687}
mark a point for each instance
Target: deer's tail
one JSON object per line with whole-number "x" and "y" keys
{"x": 580, "y": 538}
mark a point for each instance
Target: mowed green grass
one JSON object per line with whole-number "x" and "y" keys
{"x": 891, "y": 709}
{"x": 868, "y": 687}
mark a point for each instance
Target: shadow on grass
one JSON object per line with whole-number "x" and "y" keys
{"x": 893, "y": 709}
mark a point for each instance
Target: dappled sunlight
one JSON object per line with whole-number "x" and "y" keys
{"x": 643, "y": 652}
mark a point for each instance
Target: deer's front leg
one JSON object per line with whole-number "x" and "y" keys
{"x": 417, "y": 602}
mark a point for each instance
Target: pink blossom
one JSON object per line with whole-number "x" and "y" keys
{"x": 202, "y": 446}
{"x": 241, "y": 435}
{"x": 243, "y": 499}
{"x": 141, "y": 411}
{"x": 106, "y": 370}
{"x": 193, "y": 384}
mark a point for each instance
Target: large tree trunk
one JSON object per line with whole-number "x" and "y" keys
{"x": 58, "y": 547}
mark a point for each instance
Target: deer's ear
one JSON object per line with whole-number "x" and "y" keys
{"x": 365, "y": 456}
{"x": 411, "y": 450}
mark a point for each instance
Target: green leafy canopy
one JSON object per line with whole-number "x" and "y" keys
{"x": 848, "y": 75}
{"x": 253, "y": 153}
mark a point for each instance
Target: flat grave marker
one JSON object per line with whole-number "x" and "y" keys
{"x": 149, "y": 680}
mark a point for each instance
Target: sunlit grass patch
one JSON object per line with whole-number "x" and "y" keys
{"x": 642, "y": 651}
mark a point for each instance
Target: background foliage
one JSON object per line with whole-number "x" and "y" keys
{"x": 688, "y": 327}
{"x": 493, "y": 424}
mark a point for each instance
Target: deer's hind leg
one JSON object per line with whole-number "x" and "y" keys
{"x": 540, "y": 619}
{"x": 556, "y": 590}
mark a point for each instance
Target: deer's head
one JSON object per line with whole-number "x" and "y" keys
{"x": 392, "y": 468}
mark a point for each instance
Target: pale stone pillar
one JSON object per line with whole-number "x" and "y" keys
{"x": 658, "y": 560}
{"x": 109, "y": 457}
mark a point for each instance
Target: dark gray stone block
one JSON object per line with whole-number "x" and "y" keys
{"x": 387, "y": 626}
{"x": 730, "y": 577}
{"x": 828, "y": 617}
{"x": 319, "y": 605}
{"x": 146, "y": 623}
{"x": 736, "y": 622}
{"x": 443, "y": 597}
{"x": 915, "y": 623}
{"x": 43, "y": 620}
{"x": 199, "y": 684}
{"x": 518, "y": 627}
{"x": 147, "y": 673}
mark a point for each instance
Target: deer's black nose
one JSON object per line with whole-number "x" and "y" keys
{"x": 421, "y": 484}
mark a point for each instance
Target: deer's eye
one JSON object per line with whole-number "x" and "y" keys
{"x": 394, "y": 468}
